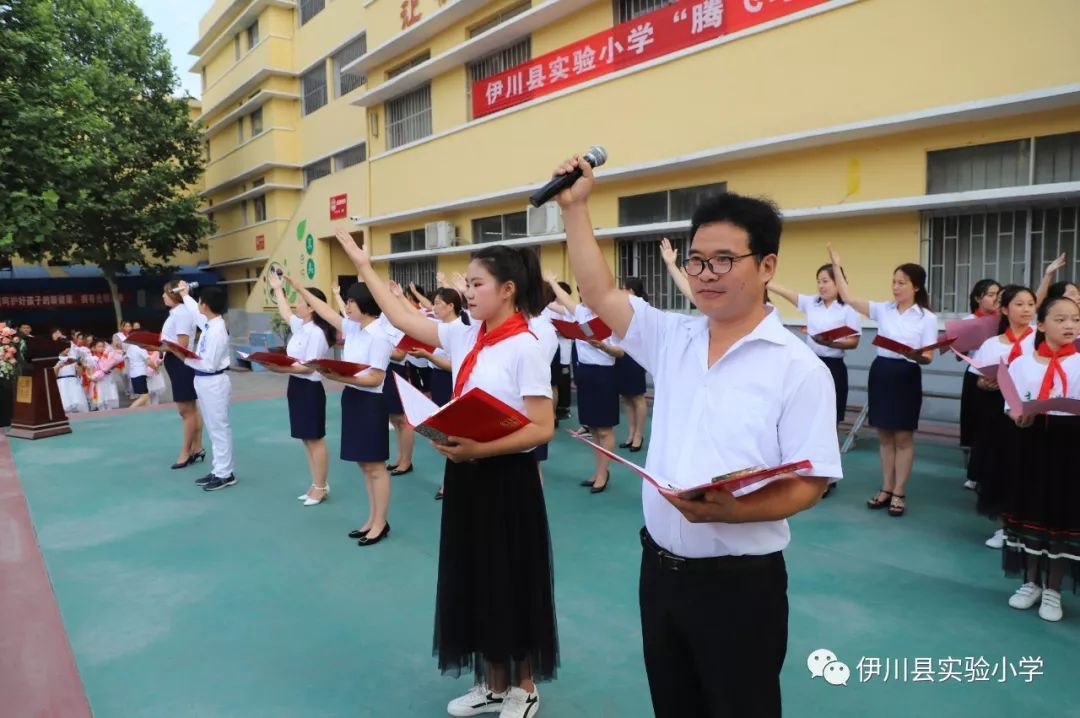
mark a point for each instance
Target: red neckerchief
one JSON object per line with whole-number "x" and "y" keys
{"x": 1054, "y": 367}
{"x": 514, "y": 324}
{"x": 1015, "y": 341}
{"x": 979, "y": 314}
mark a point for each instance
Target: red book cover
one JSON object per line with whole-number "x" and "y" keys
{"x": 831, "y": 335}
{"x": 337, "y": 366}
{"x": 895, "y": 346}
{"x": 990, "y": 371}
{"x": 146, "y": 340}
{"x": 474, "y": 415}
{"x": 592, "y": 329}
{"x": 283, "y": 360}
{"x": 407, "y": 343}
{"x": 184, "y": 351}
{"x": 739, "y": 483}
{"x": 971, "y": 333}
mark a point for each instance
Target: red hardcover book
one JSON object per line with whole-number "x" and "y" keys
{"x": 831, "y": 335}
{"x": 895, "y": 346}
{"x": 989, "y": 371}
{"x": 283, "y": 360}
{"x": 407, "y": 343}
{"x": 337, "y": 366}
{"x": 971, "y": 333}
{"x": 152, "y": 341}
{"x": 592, "y": 329}
{"x": 474, "y": 415}
{"x": 739, "y": 483}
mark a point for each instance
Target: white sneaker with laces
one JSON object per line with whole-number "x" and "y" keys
{"x": 997, "y": 540}
{"x": 519, "y": 703}
{"x": 1026, "y": 596}
{"x": 478, "y": 700}
{"x": 1050, "y": 609}
{"x": 969, "y": 484}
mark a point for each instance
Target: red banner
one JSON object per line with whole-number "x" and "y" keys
{"x": 339, "y": 206}
{"x": 644, "y": 38}
{"x": 60, "y": 300}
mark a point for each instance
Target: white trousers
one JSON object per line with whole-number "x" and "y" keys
{"x": 213, "y": 400}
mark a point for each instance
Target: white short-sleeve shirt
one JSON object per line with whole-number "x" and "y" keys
{"x": 135, "y": 359}
{"x": 178, "y": 322}
{"x": 510, "y": 370}
{"x": 916, "y": 327}
{"x": 769, "y": 400}
{"x": 994, "y": 349}
{"x": 364, "y": 346}
{"x": 1027, "y": 373}
{"x": 308, "y": 341}
{"x": 545, "y": 333}
{"x": 587, "y": 353}
{"x": 565, "y": 345}
{"x": 391, "y": 333}
{"x": 821, "y": 318}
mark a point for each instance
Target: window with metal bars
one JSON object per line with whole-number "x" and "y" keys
{"x": 352, "y": 156}
{"x": 1010, "y": 246}
{"x": 500, "y": 227}
{"x": 498, "y": 19}
{"x": 314, "y": 86}
{"x": 309, "y": 9}
{"x": 346, "y": 83}
{"x": 640, "y": 257}
{"x": 408, "y": 117}
{"x": 411, "y": 240}
{"x": 1057, "y": 158}
{"x": 625, "y": 10}
{"x": 998, "y": 164}
{"x": 665, "y": 206}
{"x": 493, "y": 63}
{"x": 316, "y": 170}
{"x": 420, "y": 272}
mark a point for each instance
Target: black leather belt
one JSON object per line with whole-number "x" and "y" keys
{"x": 671, "y": 562}
{"x": 209, "y": 373}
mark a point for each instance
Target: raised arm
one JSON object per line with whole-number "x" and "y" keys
{"x": 1048, "y": 279}
{"x": 784, "y": 292}
{"x": 420, "y": 298}
{"x": 587, "y": 261}
{"x": 670, "y": 255}
{"x": 409, "y": 321}
{"x": 862, "y": 306}
{"x": 338, "y": 301}
{"x": 560, "y": 294}
{"x": 277, "y": 285}
{"x": 321, "y": 308}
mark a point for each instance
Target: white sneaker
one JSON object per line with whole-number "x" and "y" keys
{"x": 1050, "y": 609}
{"x": 519, "y": 703}
{"x": 997, "y": 540}
{"x": 969, "y": 484}
{"x": 1026, "y": 596}
{"x": 478, "y": 700}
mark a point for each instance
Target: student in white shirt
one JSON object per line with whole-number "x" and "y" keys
{"x": 180, "y": 328}
{"x": 135, "y": 360}
{"x": 212, "y": 384}
{"x": 894, "y": 389}
{"x": 68, "y": 380}
{"x": 1041, "y": 507}
{"x": 733, "y": 389}
{"x": 365, "y": 433}
{"x": 495, "y": 596}
{"x": 1016, "y": 337}
{"x": 983, "y": 301}
{"x": 824, "y": 312}
{"x": 560, "y": 366}
{"x": 311, "y": 338}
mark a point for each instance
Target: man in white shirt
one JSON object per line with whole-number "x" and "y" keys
{"x": 734, "y": 389}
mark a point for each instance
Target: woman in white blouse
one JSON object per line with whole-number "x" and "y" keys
{"x": 895, "y": 385}
{"x": 312, "y": 337}
{"x": 179, "y": 327}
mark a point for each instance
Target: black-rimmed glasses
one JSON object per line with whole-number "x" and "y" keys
{"x": 717, "y": 265}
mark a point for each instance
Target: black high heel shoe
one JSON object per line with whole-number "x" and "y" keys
{"x": 597, "y": 489}
{"x": 635, "y": 449}
{"x": 368, "y": 541}
{"x": 199, "y": 456}
{"x": 625, "y": 445}
{"x": 185, "y": 463}
{"x": 358, "y": 533}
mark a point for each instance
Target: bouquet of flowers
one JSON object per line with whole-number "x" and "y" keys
{"x": 10, "y": 346}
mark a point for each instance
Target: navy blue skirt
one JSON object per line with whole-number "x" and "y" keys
{"x": 629, "y": 376}
{"x": 442, "y": 386}
{"x": 307, "y": 408}
{"x": 389, "y": 388}
{"x": 182, "y": 378}
{"x": 598, "y": 399}
{"x": 365, "y": 432}
{"x": 838, "y": 369}
{"x": 895, "y": 394}
{"x": 138, "y": 385}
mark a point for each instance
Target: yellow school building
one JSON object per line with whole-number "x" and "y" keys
{"x": 940, "y": 131}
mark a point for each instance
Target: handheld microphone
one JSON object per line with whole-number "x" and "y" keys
{"x": 190, "y": 286}
{"x": 595, "y": 156}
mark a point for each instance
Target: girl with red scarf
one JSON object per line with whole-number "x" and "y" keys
{"x": 1016, "y": 337}
{"x": 495, "y": 607}
{"x": 1041, "y": 509}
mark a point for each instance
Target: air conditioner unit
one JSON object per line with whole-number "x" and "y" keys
{"x": 545, "y": 219}
{"x": 438, "y": 235}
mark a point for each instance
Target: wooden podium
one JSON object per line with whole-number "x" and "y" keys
{"x": 39, "y": 412}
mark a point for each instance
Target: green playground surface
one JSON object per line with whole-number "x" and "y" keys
{"x": 242, "y": 603}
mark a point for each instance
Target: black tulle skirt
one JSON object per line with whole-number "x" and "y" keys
{"x": 972, "y": 404}
{"x": 495, "y": 601}
{"x": 989, "y": 445}
{"x": 1041, "y": 504}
